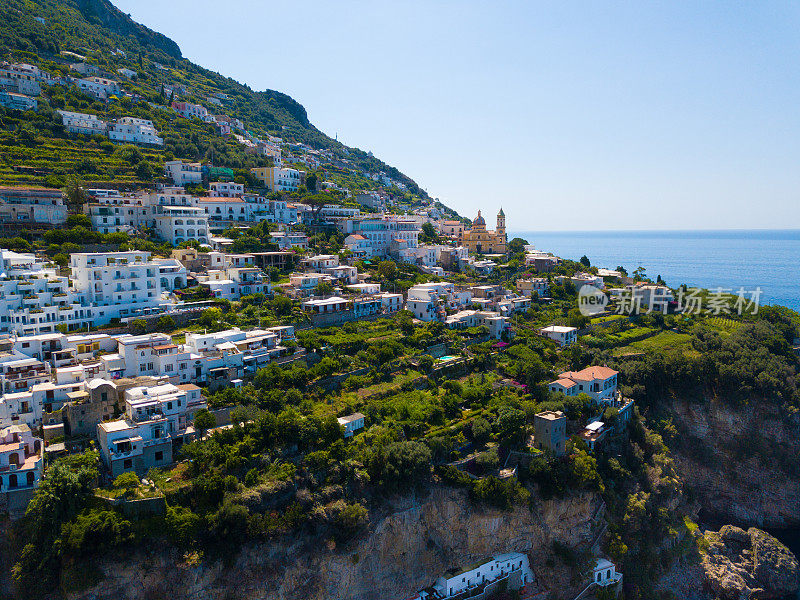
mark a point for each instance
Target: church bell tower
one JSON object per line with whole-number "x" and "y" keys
{"x": 501, "y": 222}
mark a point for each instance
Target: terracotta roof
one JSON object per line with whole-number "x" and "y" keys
{"x": 567, "y": 383}
{"x": 589, "y": 373}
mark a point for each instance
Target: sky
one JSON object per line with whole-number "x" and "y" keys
{"x": 568, "y": 115}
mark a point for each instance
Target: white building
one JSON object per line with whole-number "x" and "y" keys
{"x": 115, "y": 213}
{"x": 561, "y": 334}
{"x": 246, "y": 208}
{"x": 304, "y": 283}
{"x": 605, "y": 573}
{"x": 134, "y": 131}
{"x": 286, "y": 240}
{"x": 381, "y": 232}
{"x": 351, "y": 423}
{"x": 32, "y": 205}
{"x": 37, "y": 301}
{"x": 331, "y": 212}
{"x": 172, "y": 274}
{"x": 581, "y": 279}
{"x": 472, "y": 578}
{"x": 359, "y": 245}
{"x": 14, "y": 79}
{"x": 156, "y": 418}
{"x": 285, "y": 180}
{"x": 391, "y": 302}
{"x": 85, "y": 68}
{"x": 99, "y": 87}
{"x": 189, "y": 110}
{"x": 320, "y": 262}
{"x": 430, "y": 301}
{"x": 653, "y": 297}
{"x": 16, "y": 101}
{"x": 83, "y": 123}
{"x": 117, "y": 284}
{"x": 326, "y": 305}
{"x": 539, "y": 285}
{"x": 226, "y": 189}
{"x": 495, "y": 323}
{"x": 234, "y": 282}
{"x": 177, "y": 224}
{"x": 598, "y": 382}
{"x": 183, "y": 173}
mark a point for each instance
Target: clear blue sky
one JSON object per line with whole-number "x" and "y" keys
{"x": 571, "y": 115}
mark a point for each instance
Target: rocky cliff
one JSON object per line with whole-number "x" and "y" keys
{"x": 405, "y": 549}
{"x": 741, "y": 463}
{"x": 749, "y": 564}
{"x": 734, "y": 564}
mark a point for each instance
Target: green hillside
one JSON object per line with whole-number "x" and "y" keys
{"x": 36, "y": 149}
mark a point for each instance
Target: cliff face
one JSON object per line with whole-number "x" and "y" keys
{"x": 403, "y": 551}
{"x": 742, "y": 463}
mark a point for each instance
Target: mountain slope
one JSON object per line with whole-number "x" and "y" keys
{"x": 96, "y": 30}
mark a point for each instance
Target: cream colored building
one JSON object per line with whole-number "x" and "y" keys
{"x": 485, "y": 241}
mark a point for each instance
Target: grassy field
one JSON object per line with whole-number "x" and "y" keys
{"x": 660, "y": 341}
{"x": 383, "y": 388}
{"x": 608, "y": 318}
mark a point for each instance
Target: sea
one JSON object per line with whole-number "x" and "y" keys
{"x": 732, "y": 260}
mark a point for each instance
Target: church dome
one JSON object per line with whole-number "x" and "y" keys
{"x": 478, "y": 220}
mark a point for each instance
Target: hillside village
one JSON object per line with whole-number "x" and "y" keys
{"x": 220, "y": 327}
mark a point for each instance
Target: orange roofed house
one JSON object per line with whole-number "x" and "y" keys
{"x": 598, "y": 382}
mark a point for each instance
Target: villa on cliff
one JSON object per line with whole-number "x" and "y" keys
{"x": 482, "y": 579}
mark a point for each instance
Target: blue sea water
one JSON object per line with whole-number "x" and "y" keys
{"x": 730, "y": 259}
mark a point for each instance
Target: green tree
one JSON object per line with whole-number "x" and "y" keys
{"x": 126, "y": 482}
{"x": 309, "y": 340}
{"x": 350, "y": 520}
{"x": 78, "y": 220}
{"x": 480, "y": 430}
{"x": 517, "y": 245}
{"x": 210, "y": 317}
{"x": 311, "y": 182}
{"x": 61, "y": 259}
{"x": 401, "y": 464}
{"x": 204, "y": 420}
{"x": 324, "y": 288}
{"x": 585, "y": 261}
{"x": 429, "y": 235}
{"x": 137, "y": 326}
{"x": 165, "y": 323}
{"x": 76, "y": 196}
{"x": 388, "y": 269}
{"x": 144, "y": 171}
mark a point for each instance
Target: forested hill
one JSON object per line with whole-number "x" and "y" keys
{"x": 54, "y": 33}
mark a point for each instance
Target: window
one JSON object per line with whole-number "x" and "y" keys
{"x": 159, "y": 455}
{"x": 127, "y": 464}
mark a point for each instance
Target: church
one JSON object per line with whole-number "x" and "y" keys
{"x": 485, "y": 241}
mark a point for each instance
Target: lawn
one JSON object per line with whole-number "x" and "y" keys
{"x": 660, "y": 341}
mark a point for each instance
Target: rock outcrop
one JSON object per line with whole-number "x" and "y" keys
{"x": 405, "y": 549}
{"x": 748, "y": 564}
{"x": 740, "y": 462}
